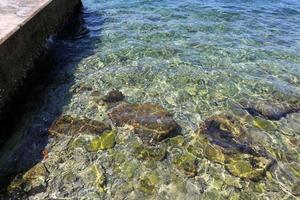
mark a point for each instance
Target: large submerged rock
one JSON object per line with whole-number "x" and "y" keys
{"x": 272, "y": 110}
{"x": 151, "y": 122}
{"x": 68, "y": 125}
{"x": 222, "y": 139}
{"x": 113, "y": 96}
{"x": 34, "y": 180}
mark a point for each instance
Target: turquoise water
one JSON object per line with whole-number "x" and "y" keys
{"x": 161, "y": 51}
{"x": 196, "y": 59}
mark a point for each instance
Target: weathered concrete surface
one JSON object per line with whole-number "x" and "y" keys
{"x": 25, "y": 26}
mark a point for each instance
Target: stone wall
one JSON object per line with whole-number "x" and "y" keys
{"x": 19, "y": 51}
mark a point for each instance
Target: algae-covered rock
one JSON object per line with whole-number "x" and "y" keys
{"x": 151, "y": 122}
{"x": 67, "y": 125}
{"x": 149, "y": 183}
{"x": 78, "y": 142}
{"x": 93, "y": 176}
{"x": 226, "y": 132}
{"x": 259, "y": 187}
{"x": 151, "y": 164}
{"x": 177, "y": 141}
{"x": 248, "y": 167}
{"x": 118, "y": 156}
{"x": 296, "y": 188}
{"x": 294, "y": 169}
{"x": 34, "y": 178}
{"x": 127, "y": 169}
{"x": 113, "y": 96}
{"x": 212, "y": 194}
{"x": 214, "y": 154}
{"x": 123, "y": 189}
{"x": 105, "y": 141}
{"x": 263, "y": 124}
{"x": 146, "y": 153}
{"x": 186, "y": 163}
{"x": 272, "y": 110}
{"x": 191, "y": 89}
{"x": 222, "y": 139}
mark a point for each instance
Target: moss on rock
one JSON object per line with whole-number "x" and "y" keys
{"x": 105, "y": 141}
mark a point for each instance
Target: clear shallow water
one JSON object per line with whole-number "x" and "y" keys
{"x": 196, "y": 59}
{"x": 159, "y": 51}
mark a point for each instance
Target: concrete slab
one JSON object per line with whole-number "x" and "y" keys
{"x": 25, "y": 26}
{"x": 15, "y": 13}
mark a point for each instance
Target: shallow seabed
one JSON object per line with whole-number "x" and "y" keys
{"x": 196, "y": 59}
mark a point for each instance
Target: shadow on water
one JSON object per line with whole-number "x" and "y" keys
{"x": 45, "y": 95}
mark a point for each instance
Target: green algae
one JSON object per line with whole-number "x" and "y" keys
{"x": 145, "y": 152}
{"x": 232, "y": 181}
{"x": 260, "y": 188}
{"x": 212, "y": 194}
{"x": 235, "y": 196}
{"x": 118, "y": 157}
{"x": 103, "y": 142}
{"x": 214, "y": 154}
{"x": 151, "y": 164}
{"x": 294, "y": 168}
{"x": 177, "y": 141}
{"x": 126, "y": 188}
{"x": 127, "y": 169}
{"x": 296, "y": 188}
{"x": 263, "y": 124}
{"x": 186, "y": 163}
{"x": 78, "y": 142}
{"x": 250, "y": 168}
{"x": 33, "y": 178}
{"x": 94, "y": 176}
{"x": 148, "y": 183}
{"x": 191, "y": 90}
{"x": 201, "y": 148}
{"x": 223, "y": 139}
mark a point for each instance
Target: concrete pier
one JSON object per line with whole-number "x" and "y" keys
{"x": 25, "y": 26}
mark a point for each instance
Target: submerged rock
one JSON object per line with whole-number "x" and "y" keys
{"x": 113, "y": 96}
{"x": 32, "y": 180}
{"x": 222, "y": 139}
{"x": 248, "y": 167}
{"x": 146, "y": 153}
{"x": 93, "y": 176}
{"x": 105, "y": 141}
{"x": 263, "y": 124}
{"x": 67, "y": 125}
{"x": 148, "y": 183}
{"x": 271, "y": 110}
{"x": 186, "y": 163}
{"x": 127, "y": 169}
{"x": 227, "y": 132}
{"x": 151, "y": 122}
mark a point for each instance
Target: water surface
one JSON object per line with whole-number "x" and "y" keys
{"x": 196, "y": 59}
